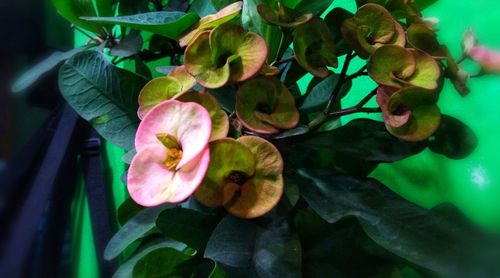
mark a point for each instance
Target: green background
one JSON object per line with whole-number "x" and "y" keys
{"x": 428, "y": 179}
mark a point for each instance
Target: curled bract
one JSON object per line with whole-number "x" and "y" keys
{"x": 424, "y": 38}
{"x": 398, "y": 67}
{"x": 314, "y": 47}
{"x": 411, "y": 113}
{"x": 244, "y": 176}
{"x": 282, "y": 16}
{"x": 266, "y": 106}
{"x": 371, "y": 28}
{"x": 164, "y": 88}
{"x": 211, "y": 21}
{"x": 220, "y": 120}
{"x": 172, "y": 153}
{"x": 226, "y": 54}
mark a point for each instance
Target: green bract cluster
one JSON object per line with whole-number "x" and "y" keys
{"x": 236, "y": 170}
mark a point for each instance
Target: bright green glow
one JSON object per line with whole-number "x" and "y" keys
{"x": 428, "y": 179}
{"x": 473, "y": 184}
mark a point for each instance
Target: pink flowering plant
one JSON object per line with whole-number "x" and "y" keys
{"x": 236, "y": 170}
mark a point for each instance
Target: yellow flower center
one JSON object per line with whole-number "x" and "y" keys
{"x": 174, "y": 156}
{"x": 174, "y": 150}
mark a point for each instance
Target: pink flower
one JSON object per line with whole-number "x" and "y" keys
{"x": 172, "y": 153}
{"x": 487, "y": 58}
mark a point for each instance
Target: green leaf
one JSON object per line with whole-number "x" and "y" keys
{"x": 168, "y": 24}
{"x": 126, "y": 269}
{"x": 217, "y": 272}
{"x": 316, "y": 7}
{"x": 334, "y": 20}
{"x": 365, "y": 139}
{"x": 453, "y": 139}
{"x": 104, "y": 7}
{"x": 318, "y": 97}
{"x": 187, "y": 226}
{"x": 254, "y": 250}
{"x": 441, "y": 239}
{"x": 253, "y": 22}
{"x": 72, "y": 10}
{"x": 299, "y": 130}
{"x": 129, "y": 45}
{"x": 127, "y": 210}
{"x": 102, "y": 94}
{"x": 226, "y": 96}
{"x": 163, "y": 262}
{"x": 203, "y": 7}
{"x": 134, "y": 229}
{"x": 28, "y": 78}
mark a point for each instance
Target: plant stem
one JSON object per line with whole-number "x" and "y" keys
{"x": 462, "y": 58}
{"x": 358, "y": 108}
{"x": 286, "y": 60}
{"x": 282, "y": 46}
{"x": 362, "y": 71}
{"x": 340, "y": 82}
{"x": 354, "y": 110}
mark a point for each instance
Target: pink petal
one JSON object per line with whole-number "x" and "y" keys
{"x": 383, "y": 96}
{"x": 151, "y": 183}
{"x": 188, "y": 122}
{"x": 488, "y": 59}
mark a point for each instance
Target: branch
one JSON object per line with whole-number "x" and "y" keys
{"x": 358, "y": 108}
{"x": 354, "y": 110}
{"x": 340, "y": 82}
{"x": 286, "y": 60}
{"x": 361, "y": 72}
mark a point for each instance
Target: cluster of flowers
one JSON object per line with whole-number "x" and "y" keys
{"x": 182, "y": 143}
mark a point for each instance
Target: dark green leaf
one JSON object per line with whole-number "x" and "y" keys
{"x": 165, "y": 69}
{"x": 334, "y": 20}
{"x": 127, "y": 210}
{"x": 365, "y": 139}
{"x": 188, "y": 226}
{"x": 318, "y": 97}
{"x": 32, "y": 75}
{"x": 203, "y": 7}
{"x": 299, "y": 130}
{"x": 104, "y": 7}
{"x": 441, "y": 240}
{"x": 127, "y": 157}
{"x": 316, "y": 7}
{"x": 142, "y": 69}
{"x": 134, "y": 229}
{"x": 72, "y": 10}
{"x": 102, "y": 94}
{"x": 130, "y": 45}
{"x": 453, "y": 139}
{"x": 263, "y": 252}
{"x": 208, "y": 7}
{"x": 126, "y": 269}
{"x": 128, "y": 7}
{"x": 226, "y": 97}
{"x": 163, "y": 262}
{"x": 168, "y": 24}
{"x": 292, "y": 192}
{"x": 217, "y": 272}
